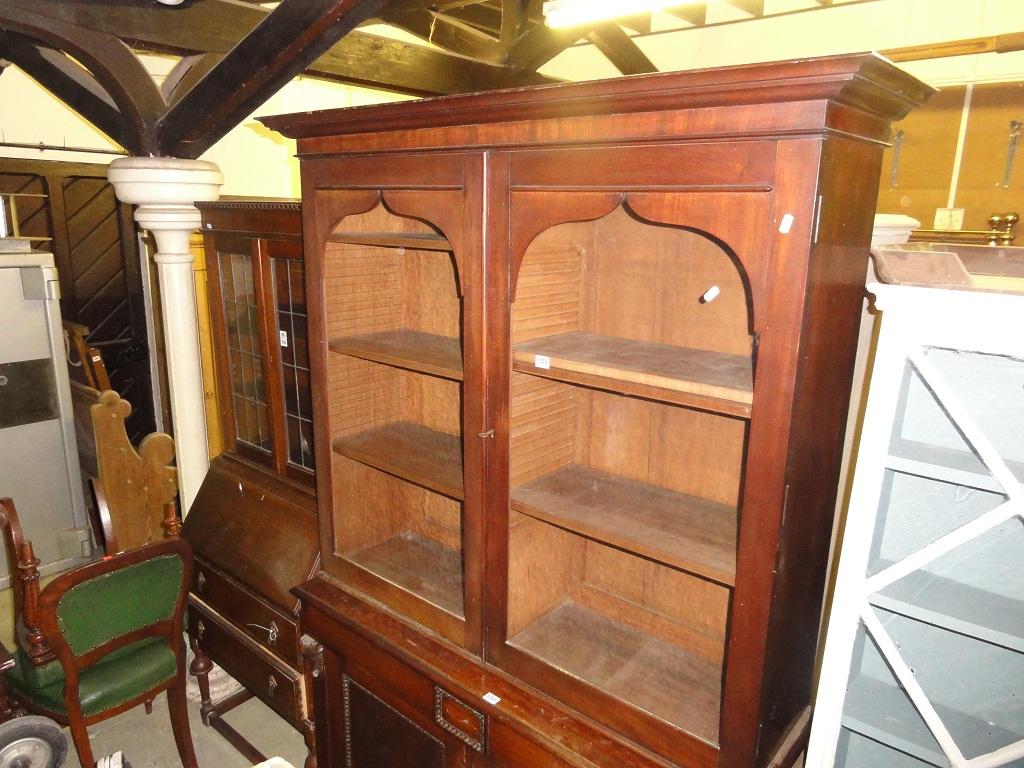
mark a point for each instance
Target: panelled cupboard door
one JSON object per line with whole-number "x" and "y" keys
{"x": 398, "y": 288}
{"x": 380, "y": 729}
{"x": 636, "y": 294}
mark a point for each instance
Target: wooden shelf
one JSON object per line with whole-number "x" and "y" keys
{"x": 947, "y": 465}
{"x": 665, "y": 680}
{"x": 413, "y": 350}
{"x": 883, "y": 713}
{"x": 411, "y": 452}
{"x": 959, "y": 608}
{"x": 679, "y": 375}
{"x": 683, "y": 531}
{"x": 419, "y": 565}
{"x": 415, "y": 241}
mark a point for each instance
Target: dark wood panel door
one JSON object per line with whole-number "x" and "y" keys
{"x": 96, "y": 252}
{"x": 364, "y": 723}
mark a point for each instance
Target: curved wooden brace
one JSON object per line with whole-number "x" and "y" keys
{"x": 738, "y": 224}
{"x": 112, "y": 64}
{"x": 333, "y": 205}
{"x": 136, "y": 485}
{"x": 443, "y": 209}
{"x": 68, "y": 81}
{"x": 533, "y": 212}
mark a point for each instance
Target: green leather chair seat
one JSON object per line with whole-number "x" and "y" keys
{"x": 124, "y": 674}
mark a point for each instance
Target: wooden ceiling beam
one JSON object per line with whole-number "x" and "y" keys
{"x": 445, "y": 31}
{"x": 540, "y": 43}
{"x": 68, "y": 81}
{"x": 694, "y": 13}
{"x": 754, "y": 7}
{"x": 638, "y": 22}
{"x": 186, "y": 73}
{"x": 217, "y": 25}
{"x": 281, "y": 46}
{"x": 620, "y": 49}
{"x": 110, "y": 62}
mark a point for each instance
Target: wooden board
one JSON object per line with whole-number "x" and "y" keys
{"x": 684, "y": 531}
{"x": 658, "y": 677}
{"x": 661, "y": 371}
{"x": 413, "y": 350}
{"x": 417, "y": 241}
{"x": 411, "y": 452}
{"x": 420, "y": 565}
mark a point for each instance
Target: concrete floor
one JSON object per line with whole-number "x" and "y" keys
{"x": 147, "y": 742}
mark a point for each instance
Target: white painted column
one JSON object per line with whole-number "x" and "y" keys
{"x": 165, "y": 190}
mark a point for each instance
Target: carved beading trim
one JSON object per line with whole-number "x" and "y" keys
{"x": 439, "y": 696}
{"x": 254, "y": 205}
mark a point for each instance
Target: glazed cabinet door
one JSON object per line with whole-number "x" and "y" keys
{"x": 394, "y": 286}
{"x": 636, "y": 294}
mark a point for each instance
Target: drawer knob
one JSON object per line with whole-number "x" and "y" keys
{"x": 200, "y": 581}
{"x": 272, "y": 685}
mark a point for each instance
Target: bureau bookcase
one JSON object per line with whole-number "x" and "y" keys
{"x": 581, "y": 360}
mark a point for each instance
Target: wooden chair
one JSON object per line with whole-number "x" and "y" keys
{"x": 130, "y": 488}
{"x": 102, "y": 638}
{"x": 90, "y": 365}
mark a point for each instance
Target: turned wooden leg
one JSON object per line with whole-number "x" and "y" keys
{"x": 309, "y": 734}
{"x": 80, "y": 737}
{"x": 178, "y": 707}
{"x": 200, "y": 667}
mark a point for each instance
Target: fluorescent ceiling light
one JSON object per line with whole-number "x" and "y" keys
{"x": 573, "y": 13}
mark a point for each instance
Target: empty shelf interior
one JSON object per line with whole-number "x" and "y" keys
{"x": 412, "y": 452}
{"x": 666, "y": 372}
{"x": 417, "y": 351}
{"x": 681, "y": 530}
{"x": 419, "y": 565}
{"x": 665, "y": 680}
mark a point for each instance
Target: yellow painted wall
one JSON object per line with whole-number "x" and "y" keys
{"x": 848, "y": 26}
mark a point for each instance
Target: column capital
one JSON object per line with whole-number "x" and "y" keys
{"x": 164, "y": 181}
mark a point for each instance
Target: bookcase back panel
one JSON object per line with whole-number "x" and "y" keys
{"x": 370, "y": 289}
{"x": 382, "y": 506}
{"x": 364, "y": 395}
{"x": 635, "y": 629}
{"x": 623, "y": 277}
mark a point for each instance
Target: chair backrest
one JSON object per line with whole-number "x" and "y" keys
{"x": 134, "y": 486}
{"x": 92, "y": 611}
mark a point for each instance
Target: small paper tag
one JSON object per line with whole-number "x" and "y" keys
{"x": 284, "y": 338}
{"x": 490, "y": 698}
{"x": 541, "y": 361}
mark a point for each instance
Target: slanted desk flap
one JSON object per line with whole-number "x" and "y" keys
{"x": 258, "y": 529}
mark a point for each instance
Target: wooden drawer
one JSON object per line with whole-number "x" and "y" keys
{"x": 277, "y": 684}
{"x": 266, "y": 625}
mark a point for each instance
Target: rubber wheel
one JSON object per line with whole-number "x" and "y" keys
{"x": 32, "y": 742}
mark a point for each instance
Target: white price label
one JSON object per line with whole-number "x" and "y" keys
{"x": 490, "y": 698}
{"x": 284, "y": 338}
{"x": 541, "y": 361}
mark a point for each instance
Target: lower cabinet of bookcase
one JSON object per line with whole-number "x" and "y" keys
{"x": 375, "y": 711}
{"x": 368, "y": 724}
